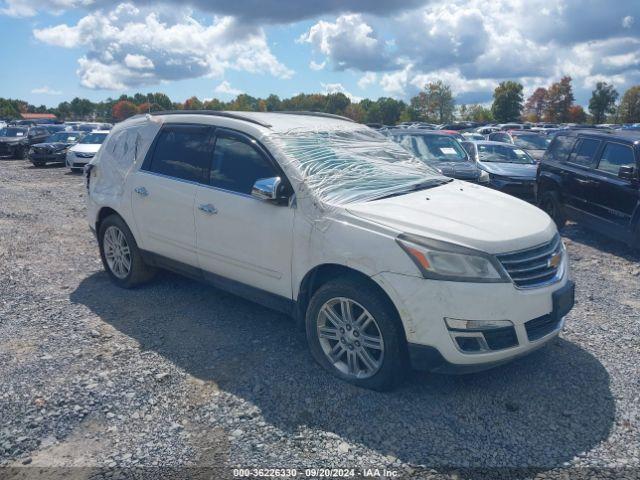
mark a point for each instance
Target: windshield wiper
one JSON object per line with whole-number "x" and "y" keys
{"x": 415, "y": 188}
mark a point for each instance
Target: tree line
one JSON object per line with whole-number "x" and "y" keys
{"x": 434, "y": 104}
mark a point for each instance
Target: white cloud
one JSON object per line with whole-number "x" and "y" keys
{"x": 226, "y": 88}
{"x": 129, "y": 46}
{"x": 627, "y": 22}
{"x": 367, "y": 79}
{"x": 328, "y": 88}
{"x": 139, "y": 62}
{"x": 46, "y": 90}
{"x": 349, "y": 42}
{"x": 317, "y": 66}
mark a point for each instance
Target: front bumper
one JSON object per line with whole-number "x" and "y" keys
{"x": 424, "y": 304}
{"x": 74, "y": 161}
{"x": 9, "y": 150}
{"x": 57, "y": 157}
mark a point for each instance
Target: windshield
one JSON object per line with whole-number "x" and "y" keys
{"x": 503, "y": 154}
{"x": 531, "y": 142}
{"x": 353, "y": 166}
{"x": 94, "y": 138}
{"x": 63, "y": 137}
{"x": 13, "y": 132}
{"x": 433, "y": 147}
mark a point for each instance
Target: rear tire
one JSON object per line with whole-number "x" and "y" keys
{"x": 366, "y": 347}
{"x": 550, "y": 203}
{"x": 120, "y": 254}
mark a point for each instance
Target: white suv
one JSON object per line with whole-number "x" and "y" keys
{"x": 385, "y": 262}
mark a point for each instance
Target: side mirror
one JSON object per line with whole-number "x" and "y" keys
{"x": 268, "y": 189}
{"x": 627, "y": 173}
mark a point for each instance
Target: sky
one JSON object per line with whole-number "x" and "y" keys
{"x": 54, "y": 50}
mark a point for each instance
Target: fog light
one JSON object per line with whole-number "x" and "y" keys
{"x": 475, "y": 325}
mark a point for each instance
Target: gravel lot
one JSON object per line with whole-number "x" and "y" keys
{"x": 177, "y": 374}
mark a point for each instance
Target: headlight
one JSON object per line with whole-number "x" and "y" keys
{"x": 484, "y": 176}
{"x": 447, "y": 261}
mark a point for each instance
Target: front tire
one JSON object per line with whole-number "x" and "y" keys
{"x": 354, "y": 333}
{"x": 550, "y": 203}
{"x": 120, "y": 254}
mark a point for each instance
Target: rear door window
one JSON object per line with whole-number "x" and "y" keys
{"x": 584, "y": 152}
{"x": 237, "y": 164}
{"x": 561, "y": 147}
{"x": 614, "y": 156}
{"x": 183, "y": 152}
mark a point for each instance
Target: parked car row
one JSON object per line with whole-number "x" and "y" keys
{"x": 53, "y": 143}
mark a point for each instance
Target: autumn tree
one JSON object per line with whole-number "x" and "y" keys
{"x": 629, "y": 109}
{"x": 507, "y": 102}
{"x": 193, "y": 103}
{"x": 536, "y": 104}
{"x": 123, "y": 110}
{"x": 603, "y": 101}
{"x": 576, "y": 114}
{"x": 559, "y": 99}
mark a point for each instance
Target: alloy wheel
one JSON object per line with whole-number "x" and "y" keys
{"x": 350, "y": 338}
{"x": 117, "y": 252}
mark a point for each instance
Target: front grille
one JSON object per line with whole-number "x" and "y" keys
{"x": 4, "y": 149}
{"x": 536, "y": 266}
{"x": 84, "y": 155}
{"x": 500, "y": 338}
{"x": 541, "y": 326}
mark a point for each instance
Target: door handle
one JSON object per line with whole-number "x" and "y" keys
{"x": 141, "y": 191}
{"x": 585, "y": 182}
{"x": 208, "y": 209}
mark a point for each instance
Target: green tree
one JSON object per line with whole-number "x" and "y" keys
{"x": 478, "y": 113}
{"x": 336, "y": 103}
{"x": 273, "y": 103}
{"x": 629, "y": 109}
{"x": 81, "y": 108}
{"x": 435, "y": 103}
{"x": 390, "y": 110}
{"x": 603, "y": 101}
{"x": 507, "y": 102}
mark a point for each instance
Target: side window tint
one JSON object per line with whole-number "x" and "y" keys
{"x": 182, "y": 152}
{"x": 237, "y": 165}
{"x": 584, "y": 152}
{"x": 561, "y": 147}
{"x": 615, "y": 156}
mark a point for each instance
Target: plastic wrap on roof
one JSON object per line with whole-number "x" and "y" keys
{"x": 342, "y": 166}
{"x": 124, "y": 147}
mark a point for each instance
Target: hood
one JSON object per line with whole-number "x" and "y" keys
{"x": 461, "y": 170}
{"x": 514, "y": 170}
{"x": 466, "y": 214}
{"x": 52, "y": 145}
{"x": 85, "y": 147}
{"x": 536, "y": 154}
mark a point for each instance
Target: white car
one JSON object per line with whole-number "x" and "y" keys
{"x": 385, "y": 262}
{"x": 84, "y": 151}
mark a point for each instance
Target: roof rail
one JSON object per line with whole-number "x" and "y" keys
{"x": 315, "y": 114}
{"x": 213, "y": 113}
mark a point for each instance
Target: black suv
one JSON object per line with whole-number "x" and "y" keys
{"x": 15, "y": 141}
{"x": 592, "y": 177}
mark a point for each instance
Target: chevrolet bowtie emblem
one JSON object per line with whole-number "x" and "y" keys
{"x": 555, "y": 260}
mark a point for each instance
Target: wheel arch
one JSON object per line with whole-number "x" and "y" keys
{"x": 323, "y": 273}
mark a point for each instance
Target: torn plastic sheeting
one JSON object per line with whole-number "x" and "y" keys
{"x": 344, "y": 166}
{"x": 120, "y": 152}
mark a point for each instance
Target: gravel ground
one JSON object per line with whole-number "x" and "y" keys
{"x": 178, "y": 375}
